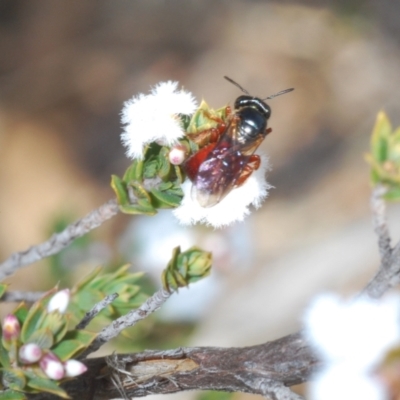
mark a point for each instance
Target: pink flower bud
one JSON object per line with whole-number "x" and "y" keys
{"x": 30, "y": 353}
{"x": 177, "y": 154}
{"x": 11, "y": 327}
{"x": 59, "y": 302}
{"x": 52, "y": 366}
{"x": 74, "y": 368}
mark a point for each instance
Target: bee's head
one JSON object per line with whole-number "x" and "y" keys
{"x": 254, "y": 102}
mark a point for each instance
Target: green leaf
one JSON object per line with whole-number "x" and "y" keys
{"x": 3, "y": 288}
{"x": 142, "y": 207}
{"x": 13, "y": 378}
{"x": 67, "y": 349}
{"x": 42, "y": 337}
{"x": 392, "y": 194}
{"x": 47, "y": 385}
{"x": 186, "y": 267}
{"x": 82, "y": 336}
{"x": 32, "y": 321}
{"x": 166, "y": 199}
{"x": 87, "y": 280}
{"x": 150, "y": 169}
{"x": 4, "y": 357}
{"x": 87, "y": 298}
{"x": 12, "y": 395}
{"x": 120, "y": 190}
{"x": 380, "y": 136}
{"x": 134, "y": 172}
{"x": 21, "y": 312}
{"x": 57, "y": 323}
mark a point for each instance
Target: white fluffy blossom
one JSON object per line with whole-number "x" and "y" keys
{"x": 351, "y": 337}
{"x": 154, "y": 117}
{"x": 233, "y": 207}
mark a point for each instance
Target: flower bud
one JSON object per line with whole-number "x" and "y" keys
{"x": 30, "y": 353}
{"x": 59, "y": 302}
{"x": 11, "y": 327}
{"x": 74, "y": 368}
{"x": 177, "y": 154}
{"x": 52, "y": 366}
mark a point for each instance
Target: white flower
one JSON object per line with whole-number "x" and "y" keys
{"x": 351, "y": 337}
{"x": 233, "y": 207}
{"x": 154, "y": 117}
{"x": 74, "y": 368}
{"x": 52, "y": 366}
{"x": 59, "y": 302}
{"x": 30, "y": 353}
{"x": 340, "y": 381}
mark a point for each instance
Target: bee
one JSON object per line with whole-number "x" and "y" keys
{"x": 228, "y": 161}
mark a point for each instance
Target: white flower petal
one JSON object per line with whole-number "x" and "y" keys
{"x": 154, "y": 117}
{"x": 233, "y": 207}
{"x": 358, "y": 332}
{"x": 342, "y": 382}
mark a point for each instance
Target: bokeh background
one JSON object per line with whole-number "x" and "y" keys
{"x": 67, "y": 67}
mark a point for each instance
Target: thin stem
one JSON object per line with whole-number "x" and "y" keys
{"x": 59, "y": 241}
{"x": 19, "y": 295}
{"x": 152, "y": 304}
{"x": 96, "y": 309}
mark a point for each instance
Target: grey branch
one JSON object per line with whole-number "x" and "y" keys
{"x": 388, "y": 274}
{"x": 59, "y": 241}
{"x": 378, "y": 207}
{"x": 152, "y": 304}
{"x": 18, "y": 296}
{"x": 266, "y": 369}
{"x": 101, "y": 305}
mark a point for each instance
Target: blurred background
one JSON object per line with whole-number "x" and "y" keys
{"x": 67, "y": 67}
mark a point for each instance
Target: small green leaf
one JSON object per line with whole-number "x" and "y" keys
{"x": 4, "y": 357}
{"x": 87, "y": 280}
{"x": 57, "y": 323}
{"x": 67, "y": 349}
{"x": 144, "y": 208}
{"x": 87, "y": 298}
{"x": 120, "y": 190}
{"x": 32, "y": 321}
{"x": 380, "y": 136}
{"x": 82, "y": 336}
{"x": 186, "y": 267}
{"x": 13, "y": 378}
{"x": 166, "y": 199}
{"x": 12, "y": 395}
{"x": 392, "y": 194}
{"x": 134, "y": 172}
{"x": 150, "y": 169}
{"x": 42, "y": 337}
{"x": 47, "y": 385}
{"x": 3, "y": 288}
{"x": 21, "y": 312}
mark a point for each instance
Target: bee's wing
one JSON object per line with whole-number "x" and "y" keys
{"x": 211, "y": 184}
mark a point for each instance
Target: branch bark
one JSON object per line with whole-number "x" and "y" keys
{"x": 266, "y": 369}
{"x": 59, "y": 241}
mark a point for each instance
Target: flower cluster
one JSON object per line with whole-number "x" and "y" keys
{"x": 155, "y": 117}
{"x": 31, "y": 354}
{"x": 352, "y": 337}
{"x": 159, "y": 117}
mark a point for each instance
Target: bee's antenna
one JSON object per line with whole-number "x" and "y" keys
{"x": 236, "y": 84}
{"x": 279, "y": 93}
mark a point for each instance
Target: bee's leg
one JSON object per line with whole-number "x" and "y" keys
{"x": 192, "y": 164}
{"x": 252, "y": 165}
{"x": 208, "y": 135}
